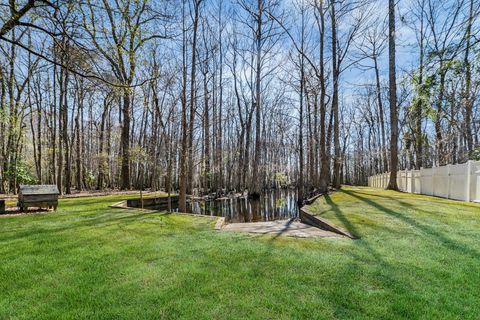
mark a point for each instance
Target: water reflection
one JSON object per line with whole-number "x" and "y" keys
{"x": 272, "y": 205}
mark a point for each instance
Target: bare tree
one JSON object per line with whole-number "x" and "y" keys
{"x": 392, "y": 184}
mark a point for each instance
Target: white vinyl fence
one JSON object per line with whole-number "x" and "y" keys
{"x": 459, "y": 181}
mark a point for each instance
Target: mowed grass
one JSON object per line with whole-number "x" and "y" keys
{"x": 418, "y": 257}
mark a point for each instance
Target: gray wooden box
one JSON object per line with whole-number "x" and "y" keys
{"x": 41, "y": 196}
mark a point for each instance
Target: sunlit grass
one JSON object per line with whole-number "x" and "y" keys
{"x": 418, "y": 257}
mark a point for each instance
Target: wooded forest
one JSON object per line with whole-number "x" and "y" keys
{"x": 219, "y": 96}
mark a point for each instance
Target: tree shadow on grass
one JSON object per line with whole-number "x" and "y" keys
{"x": 353, "y": 230}
{"x": 98, "y": 221}
{"x": 444, "y": 240}
{"x": 341, "y": 217}
{"x": 387, "y": 273}
{"x": 182, "y": 280}
{"x": 392, "y": 273}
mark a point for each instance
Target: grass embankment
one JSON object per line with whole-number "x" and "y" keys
{"x": 418, "y": 257}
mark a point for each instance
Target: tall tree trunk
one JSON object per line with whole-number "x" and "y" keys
{"x": 392, "y": 184}
{"x": 438, "y": 119}
{"x": 66, "y": 142}
{"x": 300, "y": 124}
{"x": 336, "y": 117}
{"x": 192, "y": 96}
{"x": 39, "y": 139}
{"x": 61, "y": 101}
{"x": 419, "y": 137}
{"x": 419, "y": 106}
{"x": 79, "y": 155}
{"x": 218, "y": 143}
{"x": 102, "y": 159}
{"x": 467, "y": 98}
{"x": 184, "y": 144}
{"x": 206, "y": 134}
{"x": 381, "y": 114}
{"x": 125, "y": 140}
{"x": 3, "y": 161}
{"x": 256, "y": 175}
{"x": 324, "y": 167}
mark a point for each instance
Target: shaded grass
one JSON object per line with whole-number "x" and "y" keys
{"x": 418, "y": 257}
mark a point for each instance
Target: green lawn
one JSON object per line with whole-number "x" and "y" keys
{"x": 418, "y": 257}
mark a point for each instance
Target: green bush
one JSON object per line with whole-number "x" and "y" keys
{"x": 475, "y": 154}
{"x": 22, "y": 172}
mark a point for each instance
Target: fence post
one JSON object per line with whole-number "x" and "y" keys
{"x": 412, "y": 177}
{"x": 476, "y": 181}
{"x": 406, "y": 180}
{"x": 469, "y": 179}
{"x": 448, "y": 181}
{"x": 433, "y": 181}
{"x": 420, "y": 179}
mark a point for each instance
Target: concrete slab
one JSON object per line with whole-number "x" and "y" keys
{"x": 287, "y": 228}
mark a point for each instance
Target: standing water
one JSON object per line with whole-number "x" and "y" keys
{"x": 272, "y": 205}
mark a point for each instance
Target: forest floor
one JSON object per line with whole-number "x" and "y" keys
{"x": 417, "y": 257}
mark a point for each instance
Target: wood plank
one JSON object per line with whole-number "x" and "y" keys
{"x": 39, "y": 198}
{"x": 151, "y": 202}
{"x": 38, "y": 189}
